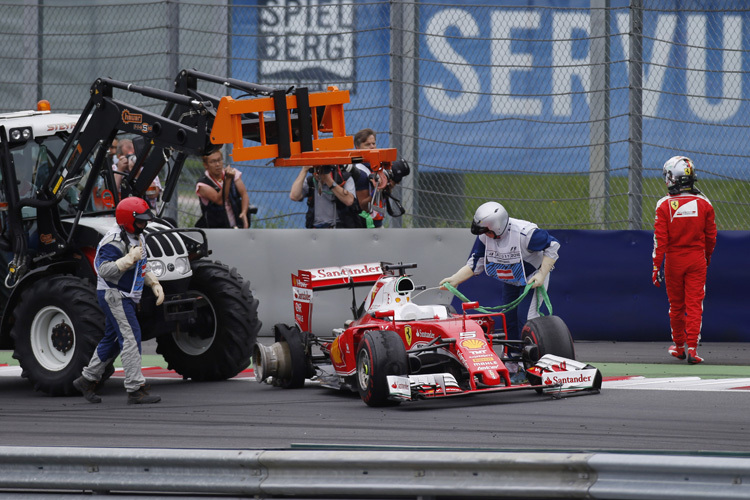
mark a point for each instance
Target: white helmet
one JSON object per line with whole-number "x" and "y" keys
{"x": 490, "y": 216}
{"x": 679, "y": 174}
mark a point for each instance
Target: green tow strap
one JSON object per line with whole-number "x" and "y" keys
{"x": 368, "y": 219}
{"x": 540, "y": 291}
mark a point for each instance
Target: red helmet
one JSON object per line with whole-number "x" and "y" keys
{"x": 130, "y": 210}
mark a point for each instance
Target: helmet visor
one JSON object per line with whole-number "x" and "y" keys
{"x": 477, "y": 229}
{"x": 146, "y": 216}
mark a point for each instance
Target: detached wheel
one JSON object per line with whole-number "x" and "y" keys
{"x": 289, "y": 336}
{"x": 546, "y": 335}
{"x": 57, "y": 325}
{"x": 219, "y": 343}
{"x": 380, "y": 353}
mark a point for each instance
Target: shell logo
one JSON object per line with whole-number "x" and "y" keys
{"x": 473, "y": 344}
{"x": 336, "y": 356}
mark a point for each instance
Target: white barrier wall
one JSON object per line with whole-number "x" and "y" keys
{"x": 268, "y": 258}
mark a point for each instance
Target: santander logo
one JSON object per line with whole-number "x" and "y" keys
{"x": 575, "y": 379}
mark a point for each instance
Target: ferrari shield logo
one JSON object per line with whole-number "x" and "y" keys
{"x": 674, "y": 204}
{"x": 407, "y": 334}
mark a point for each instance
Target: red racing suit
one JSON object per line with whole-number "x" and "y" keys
{"x": 684, "y": 231}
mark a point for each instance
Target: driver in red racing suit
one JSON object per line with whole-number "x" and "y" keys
{"x": 684, "y": 231}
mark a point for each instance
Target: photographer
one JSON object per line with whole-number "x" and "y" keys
{"x": 373, "y": 190}
{"x": 126, "y": 160}
{"x": 223, "y": 195}
{"x": 330, "y": 193}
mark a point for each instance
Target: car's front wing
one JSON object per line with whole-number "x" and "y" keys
{"x": 551, "y": 375}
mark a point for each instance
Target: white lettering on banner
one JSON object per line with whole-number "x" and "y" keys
{"x": 306, "y": 41}
{"x": 503, "y": 100}
{"x": 697, "y": 75}
{"x": 565, "y": 68}
{"x": 569, "y": 74}
{"x": 465, "y": 100}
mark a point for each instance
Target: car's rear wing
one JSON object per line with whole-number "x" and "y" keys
{"x": 327, "y": 278}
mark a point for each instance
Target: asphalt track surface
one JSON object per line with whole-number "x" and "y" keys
{"x": 664, "y": 413}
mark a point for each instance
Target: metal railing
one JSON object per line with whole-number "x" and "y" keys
{"x": 383, "y": 473}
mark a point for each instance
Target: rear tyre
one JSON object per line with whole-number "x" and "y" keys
{"x": 545, "y": 335}
{"x": 290, "y": 335}
{"x": 57, "y": 324}
{"x": 218, "y": 345}
{"x": 380, "y": 353}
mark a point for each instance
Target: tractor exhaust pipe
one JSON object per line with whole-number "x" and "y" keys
{"x": 272, "y": 361}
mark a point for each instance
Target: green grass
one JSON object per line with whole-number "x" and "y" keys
{"x": 562, "y": 201}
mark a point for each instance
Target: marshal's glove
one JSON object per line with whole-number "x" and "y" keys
{"x": 548, "y": 264}
{"x": 461, "y": 275}
{"x": 657, "y": 276}
{"x": 151, "y": 280}
{"x": 129, "y": 259}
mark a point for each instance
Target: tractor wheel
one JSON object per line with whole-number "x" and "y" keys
{"x": 380, "y": 353}
{"x": 56, "y": 326}
{"x": 219, "y": 343}
{"x": 290, "y": 335}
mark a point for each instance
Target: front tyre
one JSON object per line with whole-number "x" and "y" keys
{"x": 57, "y": 325}
{"x": 380, "y": 353}
{"x": 219, "y": 343}
{"x": 545, "y": 335}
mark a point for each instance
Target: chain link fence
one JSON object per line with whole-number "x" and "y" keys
{"x": 563, "y": 111}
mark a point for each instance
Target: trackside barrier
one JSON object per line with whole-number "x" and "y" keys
{"x": 373, "y": 473}
{"x": 601, "y": 286}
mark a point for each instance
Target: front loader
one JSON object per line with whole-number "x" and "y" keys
{"x": 57, "y": 198}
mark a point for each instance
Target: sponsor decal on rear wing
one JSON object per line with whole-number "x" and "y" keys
{"x": 327, "y": 278}
{"x": 341, "y": 276}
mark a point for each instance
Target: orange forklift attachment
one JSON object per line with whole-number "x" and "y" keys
{"x": 295, "y": 117}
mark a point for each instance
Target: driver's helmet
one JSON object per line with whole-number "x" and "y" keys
{"x": 490, "y": 216}
{"x": 679, "y": 174}
{"x": 133, "y": 209}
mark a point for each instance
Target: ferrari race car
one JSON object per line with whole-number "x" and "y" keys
{"x": 395, "y": 350}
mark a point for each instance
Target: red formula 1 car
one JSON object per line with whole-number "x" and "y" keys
{"x": 396, "y": 350}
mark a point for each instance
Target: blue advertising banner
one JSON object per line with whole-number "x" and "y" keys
{"x": 601, "y": 287}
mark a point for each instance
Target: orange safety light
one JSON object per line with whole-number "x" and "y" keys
{"x": 43, "y": 105}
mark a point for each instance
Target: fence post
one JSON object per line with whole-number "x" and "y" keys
{"x": 173, "y": 66}
{"x": 635, "y": 118}
{"x": 404, "y": 121}
{"x": 599, "y": 166}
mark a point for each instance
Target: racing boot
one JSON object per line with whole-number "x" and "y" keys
{"x": 677, "y": 352}
{"x": 692, "y": 356}
{"x": 142, "y": 397}
{"x": 87, "y": 387}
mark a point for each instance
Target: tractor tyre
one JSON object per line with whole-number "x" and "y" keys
{"x": 380, "y": 353}
{"x": 57, "y": 325}
{"x": 219, "y": 343}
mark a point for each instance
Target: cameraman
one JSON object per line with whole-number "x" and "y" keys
{"x": 331, "y": 197}
{"x": 370, "y": 197}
